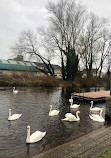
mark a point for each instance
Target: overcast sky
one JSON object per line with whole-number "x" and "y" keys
{"x": 18, "y": 15}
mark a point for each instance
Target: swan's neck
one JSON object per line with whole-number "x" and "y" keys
{"x": 77, "y": 116}
{"x": 91, "y": 105}
{"x": 71, "y": 102}
{"x": 9, "y": 114}
{"x": 28, "y": 135}
{"x": 13, "y": 88}
{"x": 50, "y": 108}
{"x": 101, "y": 113}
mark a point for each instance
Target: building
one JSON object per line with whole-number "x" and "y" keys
{"x": 17, "y": 65}
{"x": 57, "y": 70}
{"x": 93, "y": 72}
{"x": 19, "y": 58}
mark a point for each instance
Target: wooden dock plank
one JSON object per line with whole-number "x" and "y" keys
{"x": 92, "y": 95}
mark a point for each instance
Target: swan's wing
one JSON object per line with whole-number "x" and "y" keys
{"x": 96, "y": 109}
{"x": 66, "y": 119}
{"x": 37, "y": 136}
{"x": 74, "y": 106}
{"x": 95, "y": 116}
{"x": 16, "y": 91}
{"x": 15, "y": 116}
{"x": 70, "y": 116}
{"x": 54, "y": 112}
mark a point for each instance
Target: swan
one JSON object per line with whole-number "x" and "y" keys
{"x": 14, "y": 116}
{"x": 53, "y": 112}
{"x": 74, "y": 105}
{"x": 71, "y": 117}
{"x": 96, "y": 117}
{"x": 35, "y": 137}
{"x": 15, "y": 91}
{"x": 95, "y": 108}
{"x": 71, "y": 100}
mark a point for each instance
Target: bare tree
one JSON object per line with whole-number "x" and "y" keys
{"x": 93, "y": 42}
{"x": 65, "y": 25}
{"x": 27, "y": 44}
{"x": 103, "y": 49}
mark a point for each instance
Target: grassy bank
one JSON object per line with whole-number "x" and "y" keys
{"x": 27, "y": 79}
{"x": 33, "y": 79}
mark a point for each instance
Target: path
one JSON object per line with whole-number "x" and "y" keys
{"x": 87, "y": 146}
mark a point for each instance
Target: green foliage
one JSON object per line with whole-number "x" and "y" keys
{"x": 63, "y": 69}
{"x": 72, "y": 62}
{"x": 105, "y": 154}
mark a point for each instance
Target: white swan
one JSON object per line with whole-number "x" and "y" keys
{"x": 35, "y": 137}
{"x": 71, "y": 100}
{"x": 15, "y": 91}
{"x": 14, "y": 116}
{"x": 96, "y": 117}
{"x": 53, "y": 112}
{"x": 71, "y": 117}
{"x": 95, "y": 108}
{"x": 74, "y": 105}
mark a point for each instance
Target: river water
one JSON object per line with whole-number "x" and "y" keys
{"x": 34, "y": 103}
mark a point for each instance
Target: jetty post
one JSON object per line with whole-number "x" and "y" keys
{"x": 108, "y": 99}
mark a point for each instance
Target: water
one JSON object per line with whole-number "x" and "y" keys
{"x": 34, "y": 103}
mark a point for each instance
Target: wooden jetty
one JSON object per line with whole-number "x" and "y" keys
{"x": 94, "y": 96}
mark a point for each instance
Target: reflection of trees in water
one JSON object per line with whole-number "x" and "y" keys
{"x": 35, "y": 108}
{"x": 28, "y": 151}
{"x": 96, "y": 89}
{"x": 71, "y": 126}
{"x": 85, "y": 125}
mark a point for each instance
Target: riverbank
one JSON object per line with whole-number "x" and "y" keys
{"x": 29, "y": 79}
{"x": 87, "y": 146}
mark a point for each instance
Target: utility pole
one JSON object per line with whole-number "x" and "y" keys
{"x": 108, "y": 99}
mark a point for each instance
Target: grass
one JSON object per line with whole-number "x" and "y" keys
{"x": 8, "y": 78}
{"x": 105, "y": 154}
{"x": 29, "y": 79}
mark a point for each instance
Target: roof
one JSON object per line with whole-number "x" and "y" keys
{"x": 56, "y": 66}
{"x": 43, "y": 65}
{"x": 14, "y": 62}
{"x": 27, "y": 63}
